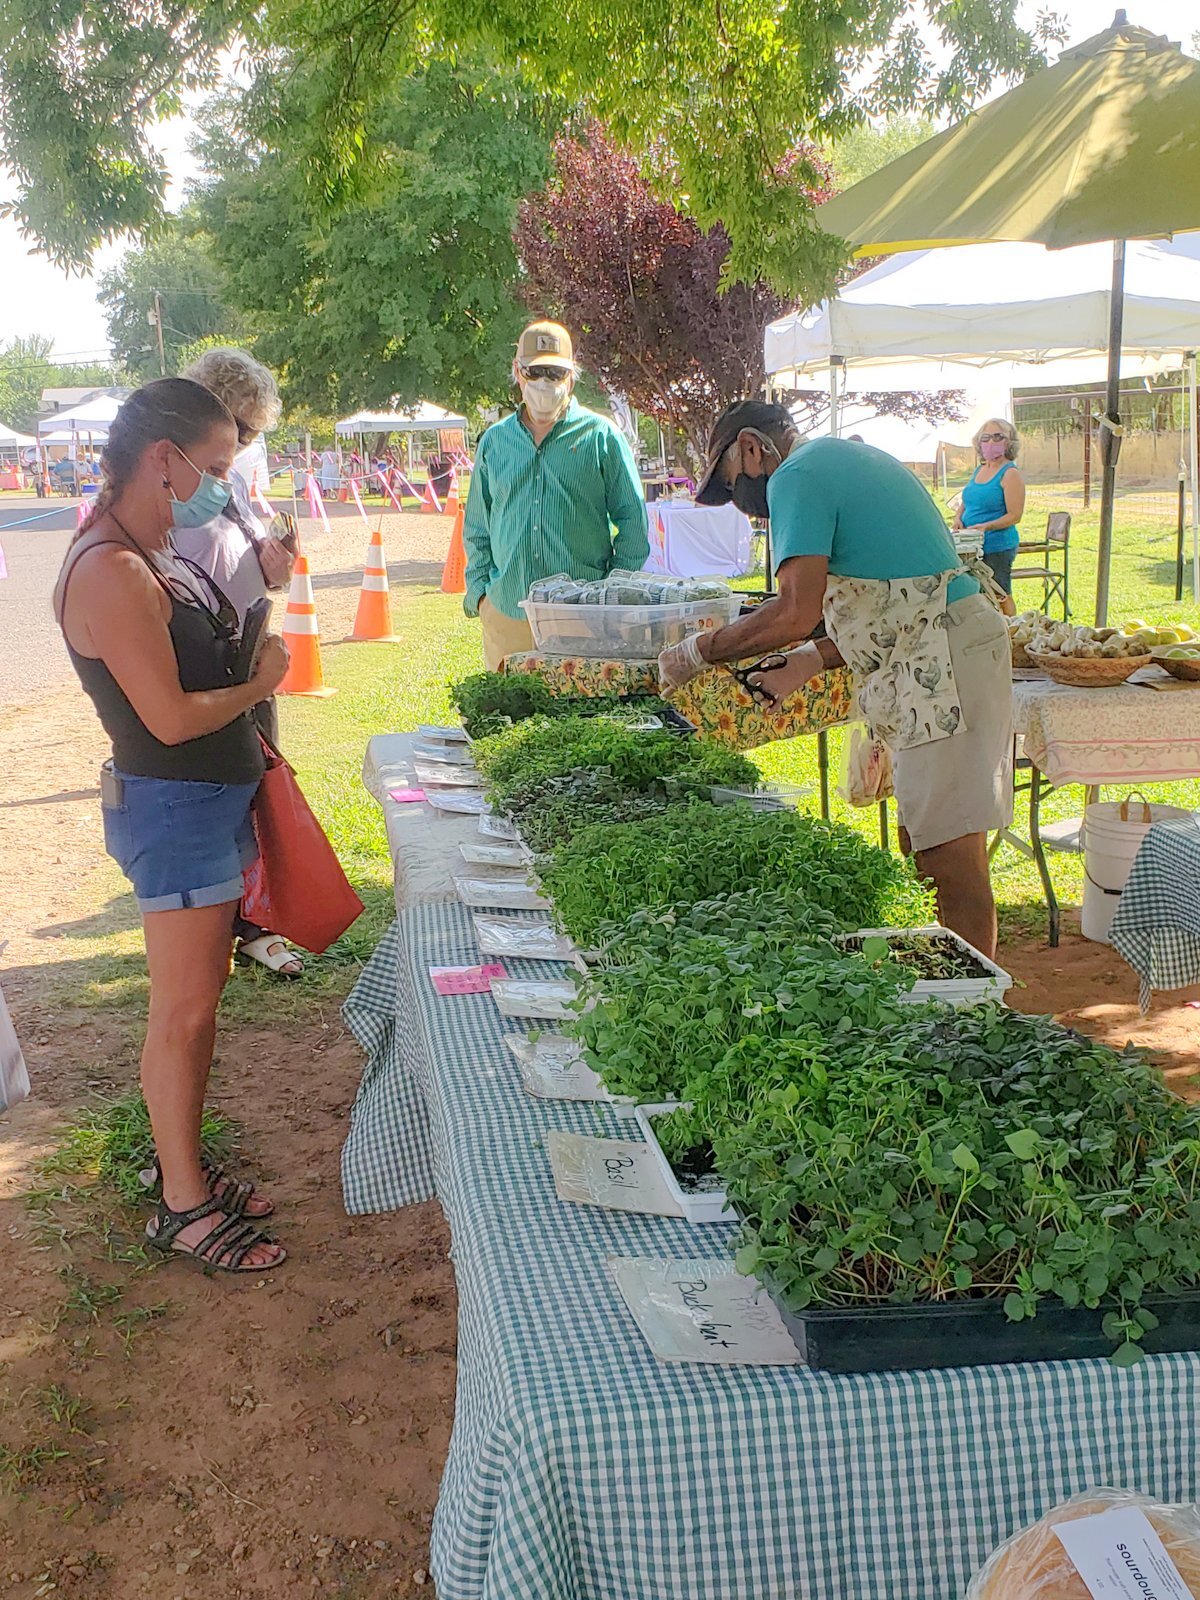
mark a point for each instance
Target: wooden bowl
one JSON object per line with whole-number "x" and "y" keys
{"x": 1187, "y": 668}
{"x": 1087, "y": 672}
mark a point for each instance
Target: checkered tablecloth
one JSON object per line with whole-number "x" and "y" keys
{"x": 580, "y": 1468}
{"x": 1157, "y": 923}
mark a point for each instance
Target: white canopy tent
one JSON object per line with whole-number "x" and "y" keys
{"x": 422, "y": 418}
{"x": 92, "y": 418}
{"x": 986, "y": 306}
{"x": 11, "y": 440}
{"x": 989, "y": 315}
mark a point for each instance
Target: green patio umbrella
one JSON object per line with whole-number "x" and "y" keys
{"x": 1104, "y": 144}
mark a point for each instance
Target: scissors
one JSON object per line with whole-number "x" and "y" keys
{"x": 761, "y": 697}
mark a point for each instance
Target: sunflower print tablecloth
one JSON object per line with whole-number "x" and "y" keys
{"x": 720, "y": 709}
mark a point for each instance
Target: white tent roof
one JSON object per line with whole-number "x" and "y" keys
{"x": 945, "y": 314}
{"x": 11, "y": 440}
{"x": 92, "y": 417}
{"x": 422, "y": 416}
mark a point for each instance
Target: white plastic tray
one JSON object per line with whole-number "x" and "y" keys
{"x": 951, "y": 991}
{"x": 534, "y": 997}
{"x": 698, "y": 1205}
{"x": 499, "y": 895}
{"x": 529, "y": 941}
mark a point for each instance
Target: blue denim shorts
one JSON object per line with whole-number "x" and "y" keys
{"x": 181, "y": 844}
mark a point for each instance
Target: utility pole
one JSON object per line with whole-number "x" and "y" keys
{"x": 154, "y": 318}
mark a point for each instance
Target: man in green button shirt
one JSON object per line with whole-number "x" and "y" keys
{"x": 551, "y": 483}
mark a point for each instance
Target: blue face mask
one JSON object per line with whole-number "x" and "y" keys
{"x": 209, "y": 500}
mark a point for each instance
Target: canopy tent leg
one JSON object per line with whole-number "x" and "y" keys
{"x": 1111, "y": 431}
{"x": 836, "y": 364}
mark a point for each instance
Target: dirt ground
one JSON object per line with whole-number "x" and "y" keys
{"x": 224, "y": 1440}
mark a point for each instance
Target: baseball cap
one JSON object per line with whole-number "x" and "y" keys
{"x": 758, "y": 414}
{"x": 545, "y": 344}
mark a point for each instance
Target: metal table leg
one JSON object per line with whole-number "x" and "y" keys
{"x": 884, "y": 843}
{"x": 1039, "y": 851}
{"x": 823, "y": 769}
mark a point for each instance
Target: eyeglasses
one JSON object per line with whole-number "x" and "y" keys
{"x": 552, "y": 373}
{"x": 222, "y": 611}
{"x": 993, "y": 438}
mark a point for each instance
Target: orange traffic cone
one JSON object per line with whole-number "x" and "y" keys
{"x": 454, "y": 573}
{"x": 302, "y": 637}
{"x": 430, "y": 501}
{"x": 373, "y": 620}
{"x": 451, "y": 506}
{"x": 343, "y": 494}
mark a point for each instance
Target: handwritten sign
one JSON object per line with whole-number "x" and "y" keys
{"x": 466, "y": 980}
{"x": 406, "y": 797}
{"x": 617, "y": 1173}
{"x": 703, "y": 1311}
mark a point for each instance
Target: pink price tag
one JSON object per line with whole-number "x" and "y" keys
{"x": 406, "y": 797}
{"x": 466, "y": 980}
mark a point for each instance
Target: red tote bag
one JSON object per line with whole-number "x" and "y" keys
{"x": 296, "y": 887}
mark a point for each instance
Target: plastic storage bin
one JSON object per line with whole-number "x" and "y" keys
{"x": 623, "y": 632}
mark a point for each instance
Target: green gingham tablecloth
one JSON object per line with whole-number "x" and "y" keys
{"x": 581, "y": 1468}
{"x": 1157, "y": 923}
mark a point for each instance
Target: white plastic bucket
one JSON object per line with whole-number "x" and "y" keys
{"x": 1112, "y": 836}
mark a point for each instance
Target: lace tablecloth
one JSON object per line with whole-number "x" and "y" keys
{"x": 1129, "y": 734}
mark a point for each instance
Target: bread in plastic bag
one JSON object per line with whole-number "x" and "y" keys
{"x": 1034, "y": 1564}
{"x": 866, "y": 768}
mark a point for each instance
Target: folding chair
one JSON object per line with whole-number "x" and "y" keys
{"x": 1052, "y": 579}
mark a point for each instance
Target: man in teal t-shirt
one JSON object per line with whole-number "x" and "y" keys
{"x": 857, "y": 541}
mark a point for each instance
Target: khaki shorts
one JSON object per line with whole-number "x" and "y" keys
{"x": 964, "y": 784}
{"x": 502, "y": 635}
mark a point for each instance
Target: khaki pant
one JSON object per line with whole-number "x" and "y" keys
{"x": 963, "y": 785}
{"x": 502, "y": 636}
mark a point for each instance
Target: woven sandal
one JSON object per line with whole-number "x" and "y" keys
{"x": 234, "y": 1197}
{"x": 221, "y": 1250}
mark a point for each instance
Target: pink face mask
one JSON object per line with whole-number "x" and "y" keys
{"x": 991, "y": 451}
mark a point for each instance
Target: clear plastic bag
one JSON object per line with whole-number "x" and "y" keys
{"x": 14, "y": 1076}
{"x": 1034, "y": 1564}
{"x": 866, "y": 768}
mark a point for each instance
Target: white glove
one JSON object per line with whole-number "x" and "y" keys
{"x": 800, "y": 664}
{"x": 680, "y": 663}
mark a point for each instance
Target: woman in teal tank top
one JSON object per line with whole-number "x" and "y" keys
{"x": 994, "y": 498}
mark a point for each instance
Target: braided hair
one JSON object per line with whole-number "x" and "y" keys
{"x": 169, "y": 408}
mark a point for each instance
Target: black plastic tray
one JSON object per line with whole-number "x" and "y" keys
{"x": 973, "y": 1334}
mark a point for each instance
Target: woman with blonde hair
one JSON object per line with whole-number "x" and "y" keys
{"x": 244, "y": 560}
{"x": 993, "y": 500}
{"x": 154, "y": 644}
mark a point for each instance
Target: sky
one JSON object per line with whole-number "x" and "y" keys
{"x": 39, "y": 298}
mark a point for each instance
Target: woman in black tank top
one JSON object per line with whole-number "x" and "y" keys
{"x": 153, "y": 647}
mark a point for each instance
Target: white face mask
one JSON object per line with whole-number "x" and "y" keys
{"x": 545, "y": 398}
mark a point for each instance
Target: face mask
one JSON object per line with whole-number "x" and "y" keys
{"x": 209, "y": 500}
{"x": 750, "y": 495}
{"x": 545, "y": 398}
{"x": 992, "y": 452}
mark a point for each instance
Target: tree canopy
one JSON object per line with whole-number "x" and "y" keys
{"x": 729, "y": 89}
{"x": 26, "y": 369}
{"x": 178, "y": 266}
{"x": 638, "y": 284}
{"x": 408, "y": 289}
